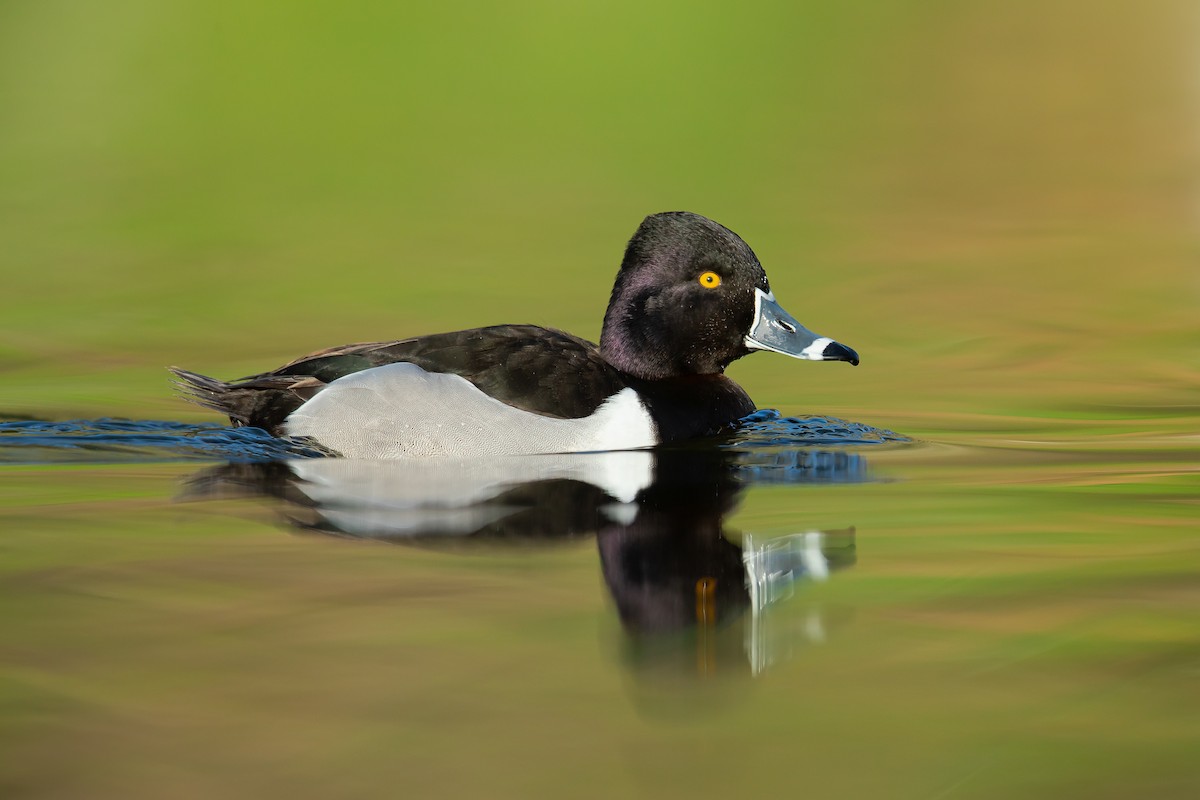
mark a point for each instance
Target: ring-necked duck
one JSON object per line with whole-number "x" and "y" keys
{"x": 690, "y": 298}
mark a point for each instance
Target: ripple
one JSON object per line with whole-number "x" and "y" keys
{"x": 109, "y": 440}
{"x": 769, "y": 428}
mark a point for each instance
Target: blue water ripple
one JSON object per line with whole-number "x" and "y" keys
{"x": 760, "y": 434}
{"x": 769, "y": 428}
{"x": 110, "y": 439}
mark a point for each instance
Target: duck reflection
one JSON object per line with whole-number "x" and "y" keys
{"x": 686, "y": 590}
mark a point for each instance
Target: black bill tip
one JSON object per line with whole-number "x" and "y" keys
{"x": 839, "y": 352}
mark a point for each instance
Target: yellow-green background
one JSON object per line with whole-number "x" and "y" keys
{"x": 996, "y": 204}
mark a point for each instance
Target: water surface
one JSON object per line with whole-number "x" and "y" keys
{"x": 899, "y": 620}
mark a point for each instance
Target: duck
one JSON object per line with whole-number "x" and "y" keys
{"x": 689, "y": 299}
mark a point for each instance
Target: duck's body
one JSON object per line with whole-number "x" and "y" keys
{"x": 506, "y": 389}
{"x": 690, "y": 298}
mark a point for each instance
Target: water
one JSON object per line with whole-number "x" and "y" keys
{"x": 116, "y": 440}
{"x": 900, "y": 620}
{"x": 109, "y": 440}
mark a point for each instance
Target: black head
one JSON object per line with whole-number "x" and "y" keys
{"x": 689, "y": 296}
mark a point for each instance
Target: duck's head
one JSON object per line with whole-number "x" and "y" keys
{"x": 691, "y": 297}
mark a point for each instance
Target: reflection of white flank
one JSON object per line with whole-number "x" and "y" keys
{"x": 620, "y": 513}
{"x": 621, "y": 474}
{"x": 816, "y": 350}
{"x": 375, "y": 521}
{"x": 450, "y": 495}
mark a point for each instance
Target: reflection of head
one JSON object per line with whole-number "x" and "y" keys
{"x": 670, "y": 579}
{"x": 670, "y": 567}
{"x": 680, "y": 590}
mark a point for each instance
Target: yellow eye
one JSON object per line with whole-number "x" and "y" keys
{"x": 709, "y": 280}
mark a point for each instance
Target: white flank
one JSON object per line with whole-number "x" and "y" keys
{"x": 402, "y": 411}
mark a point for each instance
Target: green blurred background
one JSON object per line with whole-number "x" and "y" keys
{"x": 996, "y": 204}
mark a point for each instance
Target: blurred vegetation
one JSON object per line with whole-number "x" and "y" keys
{"x": 994, "y": 204}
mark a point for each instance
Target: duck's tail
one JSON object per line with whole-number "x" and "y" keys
{"x": 211, "y": 393}
{"x": 262, "y": 401}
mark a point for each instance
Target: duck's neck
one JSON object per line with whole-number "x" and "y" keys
{"x": 693, "y": 405}
{"x": 651, "y": 354}
{"x": 639, "y": 352}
